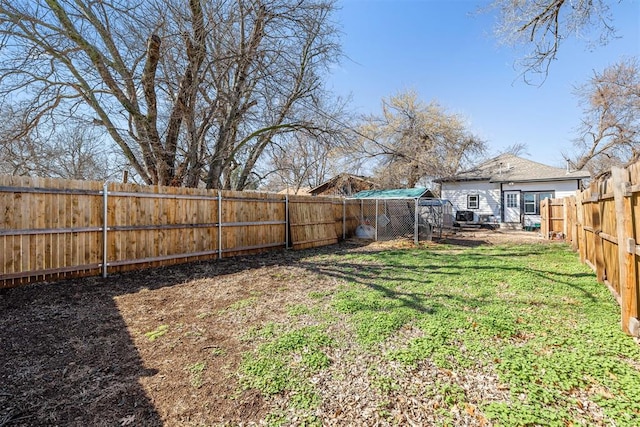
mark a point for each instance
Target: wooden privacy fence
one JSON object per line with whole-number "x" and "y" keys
{"x": 52, "y": 229}
{"x": 555, "y": 215}
{"x": 603, "y": 224}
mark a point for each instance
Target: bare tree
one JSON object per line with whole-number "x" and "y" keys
{"x": 293, "y": 163}
{"x": 542, "y": 26}
{"x": 213, "y": 85}
{"x": 80, "y": 152}
{"x": 517, "y": 149}
{"x": 309, "y": 158}
{"x": 414, "y": 141}
{"x": 18, "y": 152}
{"x": 610, "y": 130}
{"x": 74, "y": 151}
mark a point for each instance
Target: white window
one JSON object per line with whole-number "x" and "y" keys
{"x": 473, "y": 201}
{"x": 512, "y": 200}
{"x": 532, "y": 201}
{"x": 529, "y": 203}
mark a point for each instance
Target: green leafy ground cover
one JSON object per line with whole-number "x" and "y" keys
{"x": 530, "y": 313}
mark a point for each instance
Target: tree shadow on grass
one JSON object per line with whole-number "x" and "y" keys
{"x": 372, "y": 274}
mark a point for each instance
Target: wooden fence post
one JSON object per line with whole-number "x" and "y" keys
{"x": 576, "y": 226}
{"x": 549, "y": 214}
{"x": 597, "y": 240}
{"x": 571, "y": 222}
{"x": 565, "y": 219}
{"x": 286, "y": 221}
{"x": 580, "y": 226}
{"x": 544, "y": 218}
{"x": 626, "y": 251}
{"x": 344, "y": 218}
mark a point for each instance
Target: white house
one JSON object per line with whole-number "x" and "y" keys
{"x": 508, "y": 190}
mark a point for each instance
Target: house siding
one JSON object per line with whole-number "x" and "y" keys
{"x": 560, "y": 188}
{"x": 489, "y": 197}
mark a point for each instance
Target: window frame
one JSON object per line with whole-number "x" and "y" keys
{"x": 537, "y": 198}
{"x": 529, "y": 200}
{"x": 511, "y": 197}
{"x": 471, "y": 197}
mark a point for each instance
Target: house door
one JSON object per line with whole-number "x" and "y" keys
{"x": 511, "y": 206}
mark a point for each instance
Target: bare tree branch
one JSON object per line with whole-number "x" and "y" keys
{"x": 213, "y": 86}
{"x": 610, "y": 130}
{"x": 414, "y": 141}
{"x": 543, "y": 25}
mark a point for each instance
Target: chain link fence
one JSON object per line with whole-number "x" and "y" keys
{"x": 390, "y": 219}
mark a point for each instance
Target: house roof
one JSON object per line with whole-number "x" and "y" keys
{"x": 398, "y": 193}
{"x": 510, "y": 168}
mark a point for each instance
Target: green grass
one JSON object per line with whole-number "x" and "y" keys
{"x": 532, "y": 312}
{"x": 241, "y": 304}
{"x": 195, "y": 373}
{"x": 272, "y": 368}
{"x": 157, "y": 333}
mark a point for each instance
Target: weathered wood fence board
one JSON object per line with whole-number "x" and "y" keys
{"x": 602, "y": 222}
{"x": 252, "y": 221}
{"x": 312, "y": 222}
{"x": 52, "y": 229}
{"x": 47, "y": 228}
{"x": 152, "y": 226}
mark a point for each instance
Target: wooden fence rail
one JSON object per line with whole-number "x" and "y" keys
{"x": 602, "y": 222}
{"x": 52, "y": 229}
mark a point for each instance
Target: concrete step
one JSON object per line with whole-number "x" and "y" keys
{"x": 511, "y": 226}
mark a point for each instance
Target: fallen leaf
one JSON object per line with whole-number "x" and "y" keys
{"x": 128, "y": 420}
{"x": 471, "y": 410}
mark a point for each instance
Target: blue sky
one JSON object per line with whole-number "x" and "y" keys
{"x": 447, "y": 52}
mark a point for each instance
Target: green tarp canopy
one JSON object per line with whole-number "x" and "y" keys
{"x": 398, "y": 193}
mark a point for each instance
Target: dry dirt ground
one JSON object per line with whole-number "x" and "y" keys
{"x": 81, "y": 352}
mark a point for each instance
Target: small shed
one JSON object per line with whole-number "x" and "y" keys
{"x": 343, "y": 185}
{"x": 401, "y": 212}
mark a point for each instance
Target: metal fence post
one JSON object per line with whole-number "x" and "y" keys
{"x": 104, "y": 229}
{"x": 415, "y": 224}
{"x": 376, "y": 222}
{"x": 219, "y": 224}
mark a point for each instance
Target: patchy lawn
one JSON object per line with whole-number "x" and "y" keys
{"x": 459, "y": 333}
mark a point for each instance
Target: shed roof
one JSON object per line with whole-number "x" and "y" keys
{"x": 397, "y": 193}
{"x": 507, "y": 168}
{"x": 339, "y": 179}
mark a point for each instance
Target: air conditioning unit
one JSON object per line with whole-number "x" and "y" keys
{"x": 464, "y": 216}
